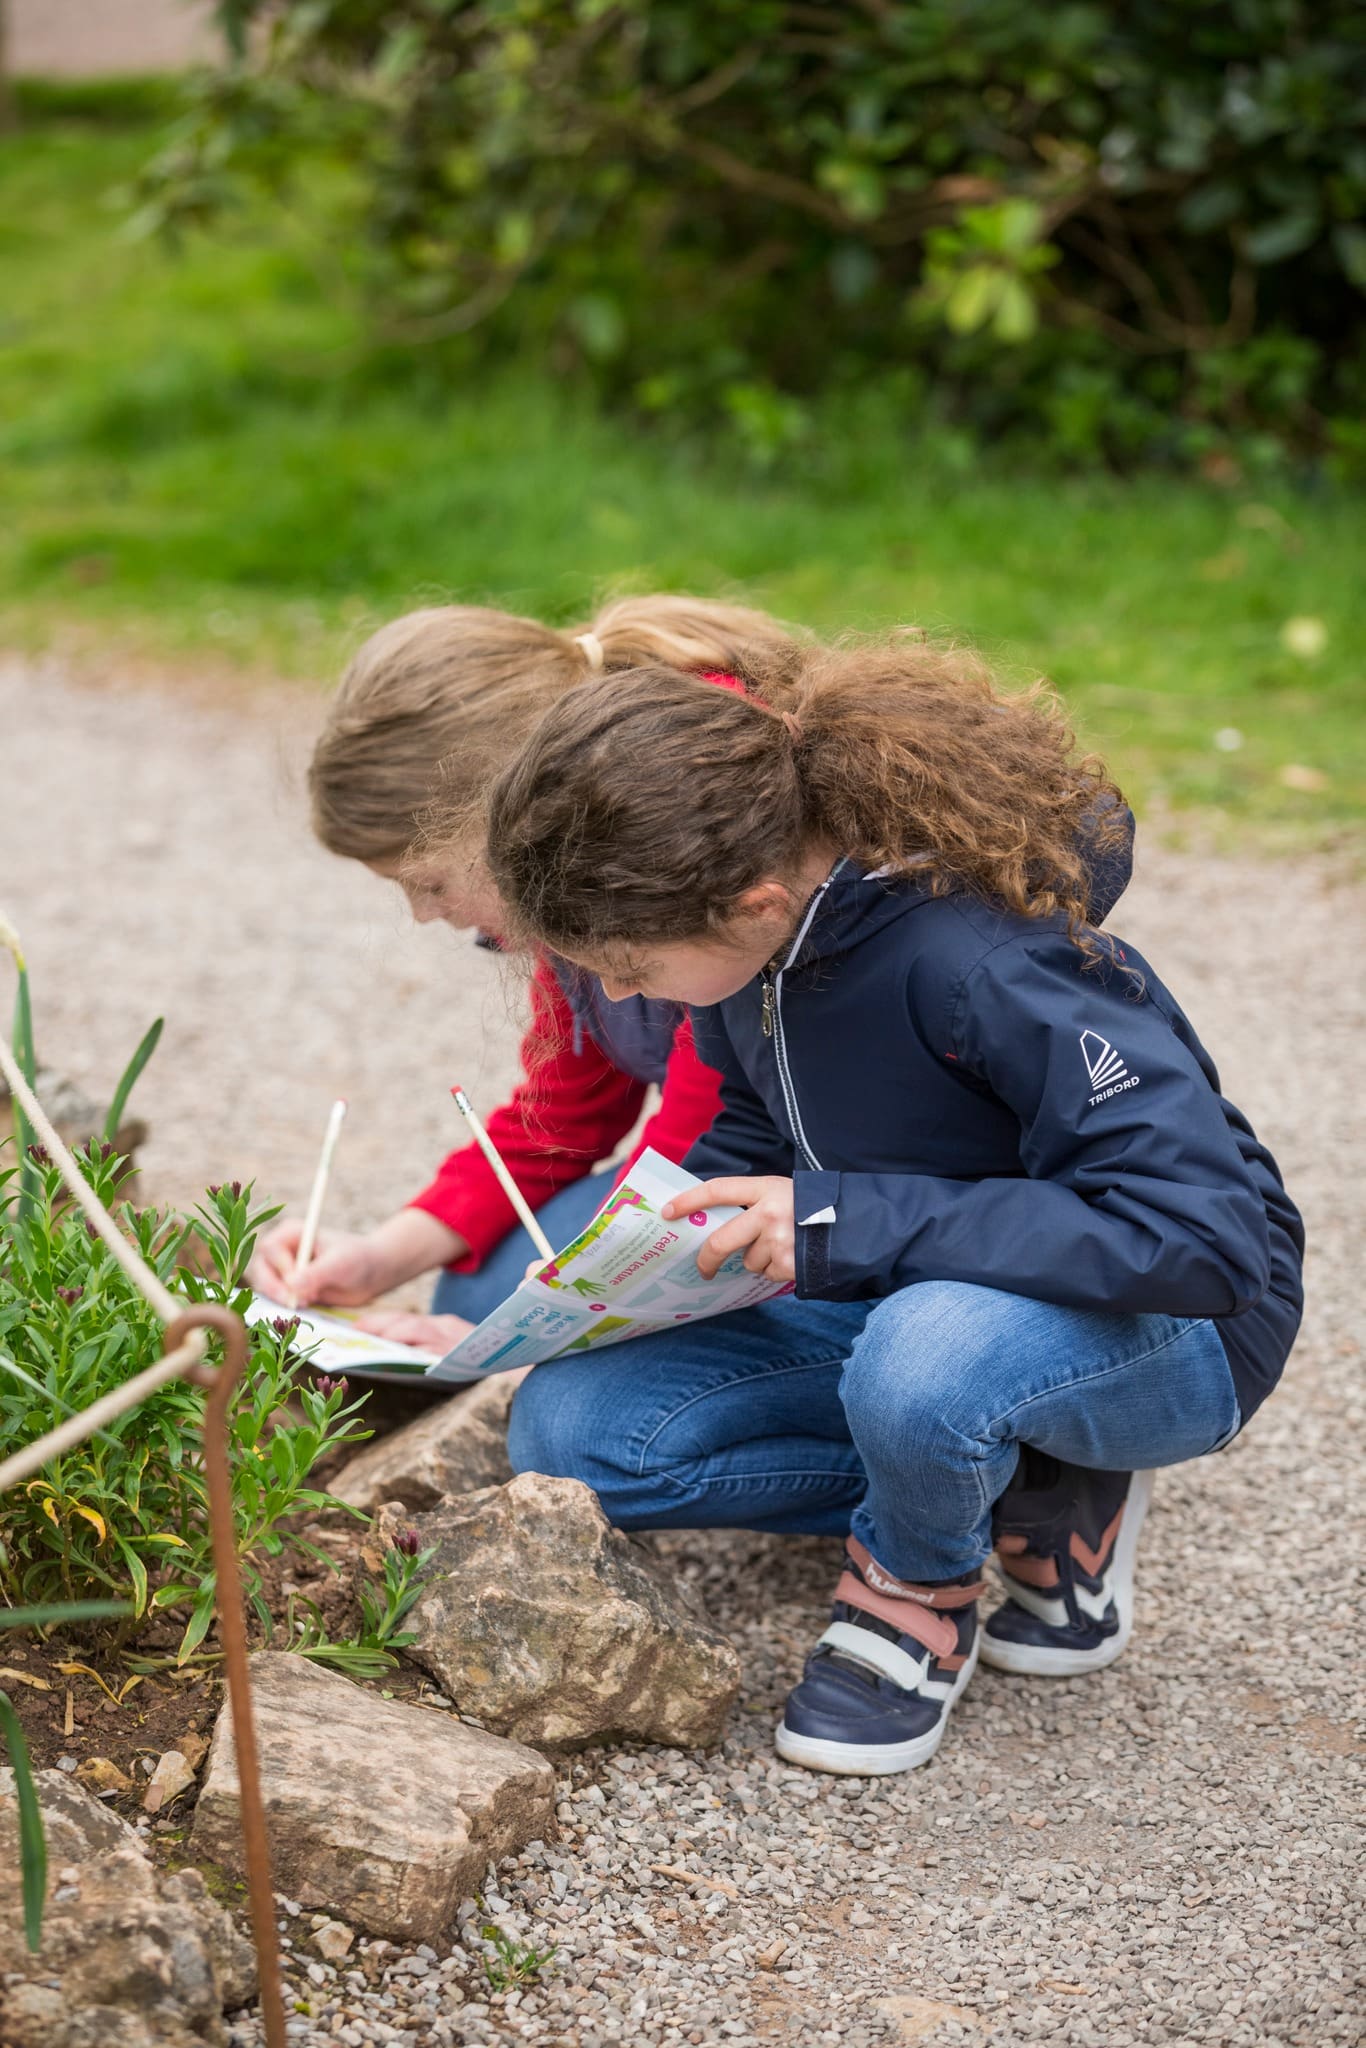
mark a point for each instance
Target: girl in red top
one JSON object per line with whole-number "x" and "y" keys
{"x": 437, "y": 703}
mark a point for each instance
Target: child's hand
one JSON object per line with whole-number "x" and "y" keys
{"x": 349, "y": 1268}
{"x": 344, "y": 1271}
{"x": 766, "y": 1231}
{"x": 426, "y": 1333}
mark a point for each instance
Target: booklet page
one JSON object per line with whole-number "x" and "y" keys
{"x": 627, "y": 1274}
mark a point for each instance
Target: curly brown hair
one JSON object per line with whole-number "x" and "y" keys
{"x": 647, "y": 803}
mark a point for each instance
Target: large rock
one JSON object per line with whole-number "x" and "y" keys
{"x": 129, "y": 1958}
{"x": 547, "y": 1624}
{"x": 460, "y": 1446}
{"x": 382, "y": 1813}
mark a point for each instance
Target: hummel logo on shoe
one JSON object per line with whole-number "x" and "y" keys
{"x": 1105, "y": 1067}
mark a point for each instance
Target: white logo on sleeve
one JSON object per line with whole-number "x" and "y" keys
{"x": 1105, "y": 1067}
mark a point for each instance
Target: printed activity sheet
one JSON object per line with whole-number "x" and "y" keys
{"x": 334, "y": 1344}
{"x": 627, "y": 1274}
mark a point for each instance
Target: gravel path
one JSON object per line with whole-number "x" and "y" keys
{"x": 1164, "y": 1853}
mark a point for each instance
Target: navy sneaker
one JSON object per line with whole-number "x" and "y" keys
{"x": 877, "y": 1689}
{"x": 1066, "y": 1539}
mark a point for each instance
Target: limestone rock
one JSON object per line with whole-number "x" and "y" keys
{"x": 459, "y": 1446}
{"x": 378, "y": 1811}
{"x": 546, "y": 1624}
{"x": 129, "y": 1958}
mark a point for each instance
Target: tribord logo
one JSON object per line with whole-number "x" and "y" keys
{"x": 1105, "y": 1067}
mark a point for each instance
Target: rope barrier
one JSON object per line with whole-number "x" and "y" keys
{"x": 187, "y": 1323}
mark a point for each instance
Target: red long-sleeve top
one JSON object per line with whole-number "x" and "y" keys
{"x": 569, "y": 1110}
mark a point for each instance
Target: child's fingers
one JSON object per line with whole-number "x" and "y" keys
{"x": 273, "y": 1262}
{"x": 338, "y": 1276}
{"x": 403, "y": 1326}
{"x": 737, "y": 1193}
{"x": 745, "y": 1229}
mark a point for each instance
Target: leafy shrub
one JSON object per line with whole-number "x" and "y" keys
{"x": 1135, "y": 228}
{"x": 125, "y": 1513}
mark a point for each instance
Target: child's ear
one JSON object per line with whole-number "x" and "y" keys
{"x": 767, "y": 902}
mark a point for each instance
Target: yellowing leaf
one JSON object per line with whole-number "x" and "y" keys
{"x": 86, "y": 1671}
{"x": 9, "y": 1676}
{"x": 166, "y": 1536}
{"x": 95, "y": 1519}
{"x": 50, "y": 1510}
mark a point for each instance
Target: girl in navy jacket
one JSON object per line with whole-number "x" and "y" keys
{"x": 1028, "y": 1239}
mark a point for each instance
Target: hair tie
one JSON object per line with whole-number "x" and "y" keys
{"x": 592, "y": 651}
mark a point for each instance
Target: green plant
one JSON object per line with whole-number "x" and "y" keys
{"x": 510, "y": 1964}
{"x": 685, "y": 198}
{"x": 32, "y": 1840}
{"x": 182, "y": 485}
{"x": 369, "y": 1653}
{"x": 126, "y": 1511}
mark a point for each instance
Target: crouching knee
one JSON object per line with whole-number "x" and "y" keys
{"x": 556, "y": 1426}
{"x": 914, "y": 1375}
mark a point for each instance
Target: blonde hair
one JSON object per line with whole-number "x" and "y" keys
{"x": 436, "y": 703}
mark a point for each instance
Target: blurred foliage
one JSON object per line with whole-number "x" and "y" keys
{"x": 1127, "y": 230}
{"x": 206, "y": 465}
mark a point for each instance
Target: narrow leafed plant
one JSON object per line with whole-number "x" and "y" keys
{"x": 125, "y": 1514}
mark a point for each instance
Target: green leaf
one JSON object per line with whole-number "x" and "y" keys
{"x": 1286, "y": 234}
{"x": 62, "y": 1610}
{"x": 197, "y": 1626}
{"x": 1350, "y": 243}
{"x": 974, "y": 297}
{"x": 129, "y": 1077}
{"x": 137, "y": 1571}
{"x": 32, "y": 1841}
{"x": 22, "y": 1042}
{"x": 1017, "y": 316}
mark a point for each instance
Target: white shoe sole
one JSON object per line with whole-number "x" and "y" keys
{"x": 872, "y": 1759}
{"x": 1034, "y": 1659}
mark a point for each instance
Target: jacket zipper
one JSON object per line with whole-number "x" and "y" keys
{"x": 771, "y": 1021}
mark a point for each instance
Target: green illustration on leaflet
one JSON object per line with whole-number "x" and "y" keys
{"x": 627, "y": 1274}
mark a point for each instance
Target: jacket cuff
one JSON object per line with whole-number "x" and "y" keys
{"x": 815, "y": 1210}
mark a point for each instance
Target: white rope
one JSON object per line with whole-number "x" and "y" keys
{"x": 23, "y": 1464}
{"x": 138, "y": 1271}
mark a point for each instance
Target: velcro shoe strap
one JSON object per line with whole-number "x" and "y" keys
{"x": 882, "y": 1581}
{"x": 935, "y": 1631}
{"x": 878, "y": 1654}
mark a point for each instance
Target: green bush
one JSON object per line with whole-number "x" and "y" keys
{"x": 1130, "y": 229}
{"x": 125, "y": 1513}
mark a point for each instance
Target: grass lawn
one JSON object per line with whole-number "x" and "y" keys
{"x": 202, "y": 455}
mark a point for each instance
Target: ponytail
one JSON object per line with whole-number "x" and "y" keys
{"x": 647, "y": 804}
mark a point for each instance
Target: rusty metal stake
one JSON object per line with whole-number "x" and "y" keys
{"x": 220, "y": 1383}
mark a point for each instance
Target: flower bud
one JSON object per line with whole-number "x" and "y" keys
{"x": 408, "y": 1542}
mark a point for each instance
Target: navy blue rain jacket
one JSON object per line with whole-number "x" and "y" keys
{"x": 959, "y": 1096}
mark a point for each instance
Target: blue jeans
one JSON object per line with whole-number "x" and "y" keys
{"x": 473, "y": 1295}
{"x": 900, "y": 1419}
